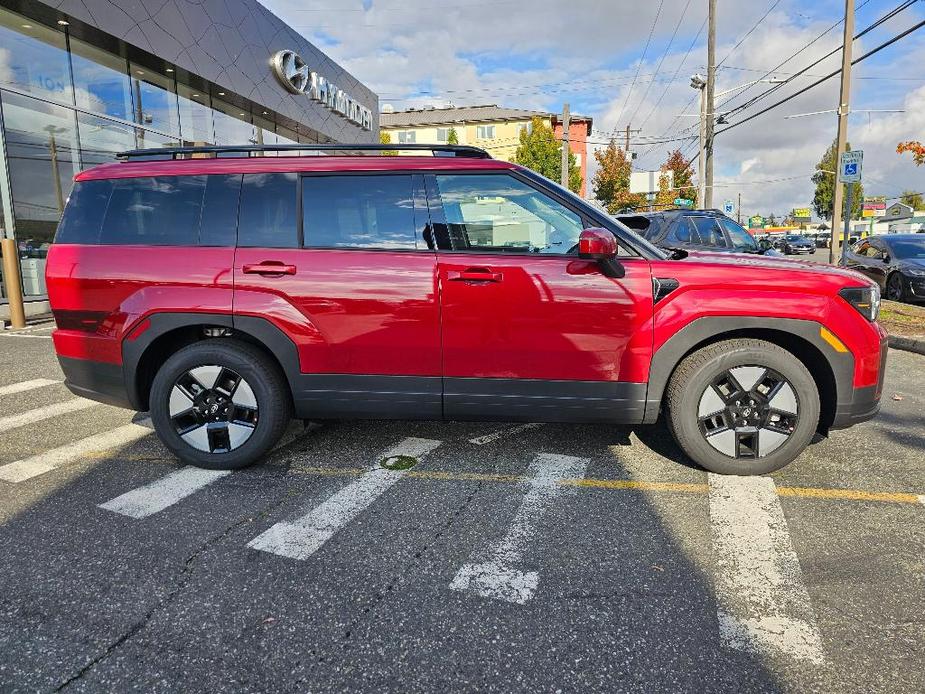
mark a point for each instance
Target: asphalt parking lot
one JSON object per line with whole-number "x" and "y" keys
{"x": 508, "y": 558}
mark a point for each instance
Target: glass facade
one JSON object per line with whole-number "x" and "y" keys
{"x": 67, "y": 104}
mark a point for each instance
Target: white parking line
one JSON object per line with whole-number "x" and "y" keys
{"x": 494, "y": 573}
{"x": 763, "y": 604}
{"x": 301, "y": 538}
{"x": 160, "y": 494}
{"x": 34, "y": 337}
{"x": 36, "y": 465}
{"x": 40, "y": 413}
{"x": 24, "y": 386}
{"x": 510, "y": 431}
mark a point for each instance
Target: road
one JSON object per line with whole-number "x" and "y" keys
{"x": 507, "y": 558}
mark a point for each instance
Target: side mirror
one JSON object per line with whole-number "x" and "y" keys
{"x": 597, "y": 244}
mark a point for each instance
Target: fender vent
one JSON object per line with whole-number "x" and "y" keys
{"x": 662, "y": 287}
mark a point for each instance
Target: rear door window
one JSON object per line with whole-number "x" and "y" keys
{"x": 156, "y": 211}
{"x": 83, "y": 215}
{"x": 708, "y": 232}
{"x": 363, "y": 211}
{"x": 268, "y": 216}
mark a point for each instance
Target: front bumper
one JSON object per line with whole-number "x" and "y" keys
{"x": 862, "y": 403}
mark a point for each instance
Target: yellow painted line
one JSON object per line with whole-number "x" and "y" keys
{"x": 638, "y": 485}
{"x": 849, "y": 495}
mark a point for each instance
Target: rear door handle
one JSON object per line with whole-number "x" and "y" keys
{"x": 269, "y": 267}
{"x": 474, "y": 274}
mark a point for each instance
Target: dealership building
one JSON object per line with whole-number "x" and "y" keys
{"x": 81, "y": 80}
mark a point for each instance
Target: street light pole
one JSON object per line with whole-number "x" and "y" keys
{"x": 566, "y": 124}
{"x": 841, "y": 140}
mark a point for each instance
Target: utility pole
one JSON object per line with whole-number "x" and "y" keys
{"x": 739, "y": 210}
{"x": 701, "y": 160}
{"x": 628, "y": 130}
{"x": 844, "y": 101}
{"x": 710, "y": 109}
{"x": 565, "y": 144}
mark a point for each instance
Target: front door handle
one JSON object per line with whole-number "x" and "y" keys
{"x": 474, "y": 274}
{"x": 269, "y": 267}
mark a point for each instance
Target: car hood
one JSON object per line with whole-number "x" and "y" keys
{"x": 913, "y": 262}
{"x": 774, "y": 263}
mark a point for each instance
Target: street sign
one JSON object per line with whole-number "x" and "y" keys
{"x": 851, "y": 166}
{"x": 728, "y": 207}
{"x": 802, "y": 215}
{"x": 683, "y": 202}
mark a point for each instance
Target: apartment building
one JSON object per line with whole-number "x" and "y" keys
{"x": 491, "y": 127}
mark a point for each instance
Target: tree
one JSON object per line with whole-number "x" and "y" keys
{"x": 452, "y": 138}
{"x": 539, "y": 151}
{"x": 917, "y": 149}
{"x": 611, "y": 183}
{"x": 683, "y": 176}
{"x": 824, "y": 199}
{"x": 664, "y": 198}
{"x": 913, "y": 200}
{"x": 386, "y": 139}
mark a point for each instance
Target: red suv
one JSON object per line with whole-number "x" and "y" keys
{"x": 227, "y": 294}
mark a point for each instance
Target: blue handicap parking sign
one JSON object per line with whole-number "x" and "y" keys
{"x": 851, "y": 169}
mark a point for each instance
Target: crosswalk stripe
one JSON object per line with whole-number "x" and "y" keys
{"x": 494, "y": 573}
{"x": 27, "y": 468}
{"x": 42, "y": 413}
{"x": 764, "y": 606}
{"x": 510, "y": 431}
{"x": 24, "y": 386}
{"x": 160, "y": 494}
{"x": 301, "y": 538}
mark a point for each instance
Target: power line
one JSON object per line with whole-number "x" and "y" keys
{"x": 879, "y": 48}
{"x": 792, "y": 56}
{"x": 749, "y": 33}
{"x": 642, "y": 58}
{"x": 658, "y": 68}
{"x": 889, "y": 15}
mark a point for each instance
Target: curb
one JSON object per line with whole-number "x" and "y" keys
{"x": 907, "y": 344}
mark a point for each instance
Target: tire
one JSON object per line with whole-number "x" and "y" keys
{"x": 742, "y": 439}
{"x": 895, "y": 287}
{"x": 220, "y": 404}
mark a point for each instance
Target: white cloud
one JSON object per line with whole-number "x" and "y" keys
{"x": 534, "y": 55}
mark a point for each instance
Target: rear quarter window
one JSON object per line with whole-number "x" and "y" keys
{"x": 83, "y": 214}
{"x": 155, "y": 211}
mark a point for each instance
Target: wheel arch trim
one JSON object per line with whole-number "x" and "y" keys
{"x": 709, "y": 329}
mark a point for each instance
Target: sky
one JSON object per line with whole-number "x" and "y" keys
{"x": 626, "y": 62}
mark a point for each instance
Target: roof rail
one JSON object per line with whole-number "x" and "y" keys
{"x": 249, "y": 150}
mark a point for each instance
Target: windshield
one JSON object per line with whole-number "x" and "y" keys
{"x": 906, "y": 250}
{"x": 798, "y": 239}
{"x": 741, "y": 239}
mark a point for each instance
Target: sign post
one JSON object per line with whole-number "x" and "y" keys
{"x": 849, "y": 173}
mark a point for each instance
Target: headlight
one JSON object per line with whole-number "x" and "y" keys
{"x": 915, "y": 271}
{"x": 865, "y": 299}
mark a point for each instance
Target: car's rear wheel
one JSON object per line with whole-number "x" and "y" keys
{"x": 895, "y": 290}
{"x": 742, "y": 407}
{"x": 220, "y": 404}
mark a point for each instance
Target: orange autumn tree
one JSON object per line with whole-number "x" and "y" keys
{"x": 917, "y": 149}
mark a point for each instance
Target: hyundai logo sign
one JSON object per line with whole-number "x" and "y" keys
{"x": 295, "y": 75}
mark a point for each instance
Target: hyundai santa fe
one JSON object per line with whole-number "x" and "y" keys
{"x": 228, "y": 294}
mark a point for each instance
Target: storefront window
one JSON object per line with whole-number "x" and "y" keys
{"x": 33, "y": 58}
{"x": 41, "y": 146}
{"x": 101, "y": 82}
{"x": 155, "y": 102}
{"x": 232, "y": 125}
{"x": 101, "y": 139}
{"x": 196, "y": 126}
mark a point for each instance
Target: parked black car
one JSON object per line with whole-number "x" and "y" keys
{"x": 694, "y": 230}
{"x": 793, "y": 244}
{"x": 895, "y": 261}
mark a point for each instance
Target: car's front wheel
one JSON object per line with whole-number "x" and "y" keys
{"x": 742, "y": 407}
{"x": 220, "y": 404}
{"x": 895, "y": 290}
